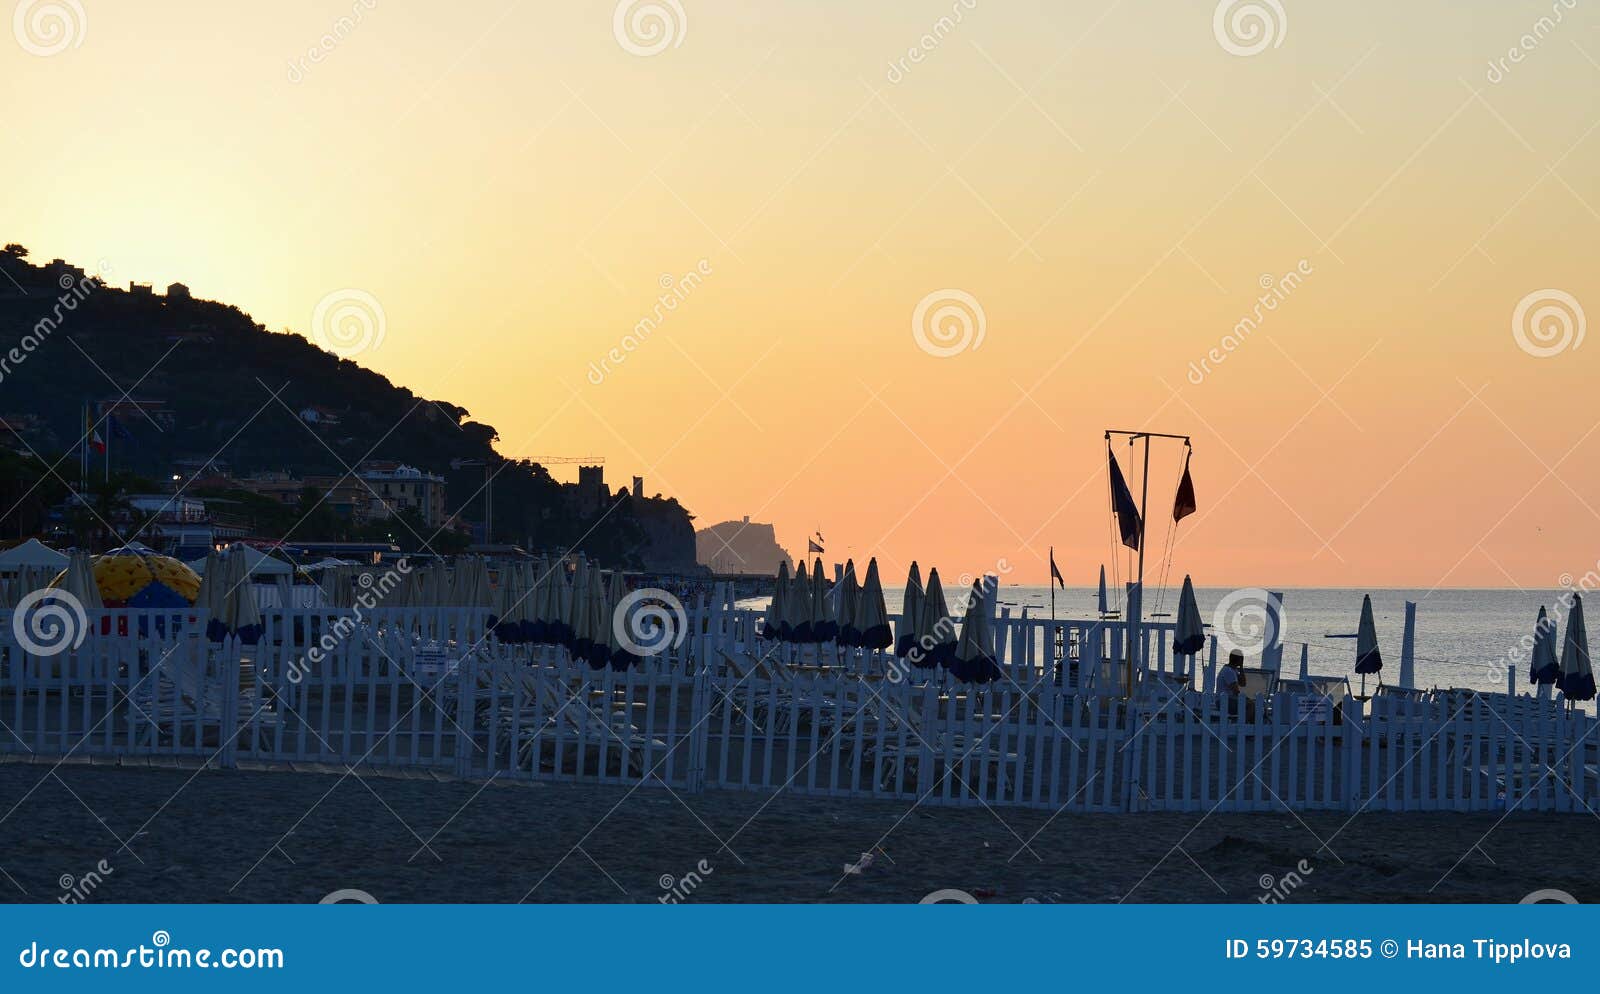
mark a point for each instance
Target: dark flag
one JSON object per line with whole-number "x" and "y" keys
{"x": 1122, "y": 503}
{"x": 1055, "y": 574}
{"x": 812, "y": 546}
{"x": 1185, "y": 504}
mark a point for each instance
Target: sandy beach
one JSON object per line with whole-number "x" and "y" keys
{"x": 297, "y": 836}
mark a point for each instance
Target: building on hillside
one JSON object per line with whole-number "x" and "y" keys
{"x": 589, "y": 494}
{"x": 405, "y": 488}
{"x": 178, "y": 526}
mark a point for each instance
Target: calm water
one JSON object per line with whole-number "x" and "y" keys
{"x": 1465, "y": 638}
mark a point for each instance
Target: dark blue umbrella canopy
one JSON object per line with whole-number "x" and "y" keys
{"x": 797, "y": 613}
{"x": 1577, "y": 671}
{"x": 910, "y": 613}
{"x": 1189, "y": 635}
{"x": 1544, "y": 669}
{"x": 973, "y": 661}
{"x": 1368, "y": 658}
{"x": 846, "y": 605}
{"x": 872, "y": 617}
{"x": 935, "y": 630}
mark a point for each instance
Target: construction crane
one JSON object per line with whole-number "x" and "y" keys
{"x": 566, "y": 460}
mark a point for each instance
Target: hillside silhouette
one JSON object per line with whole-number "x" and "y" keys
{"x": 202, "y": 382}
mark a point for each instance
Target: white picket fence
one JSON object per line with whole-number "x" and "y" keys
{"x": 428, "y": 689}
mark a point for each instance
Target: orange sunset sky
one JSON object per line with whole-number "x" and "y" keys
{"x": 1113, "y": 184}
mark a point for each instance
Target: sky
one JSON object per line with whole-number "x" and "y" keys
{"x": 909, "y": 292}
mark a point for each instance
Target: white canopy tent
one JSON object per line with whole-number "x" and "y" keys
{"x": 32, "y": 554}
{"x": 260, "y": 564}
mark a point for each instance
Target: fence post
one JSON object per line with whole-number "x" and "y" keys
{"x": 1350, "y": 745}
{"x": 466, "y": 688}
{"x": 231, "y": 729}
{"x": 699, "y": 733}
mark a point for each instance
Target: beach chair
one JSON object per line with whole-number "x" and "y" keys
{"x": 891, "y": 761}
{"x": 779, "y": 694}
{"x": 550, "y": 711}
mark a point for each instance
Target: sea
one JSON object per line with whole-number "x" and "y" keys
{"x": 1464, "y": 638}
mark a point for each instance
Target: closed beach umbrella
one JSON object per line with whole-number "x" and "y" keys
{"x": 581, "y": 637}
{"x": 775, "y": 626}
{"x": 823, "y": 627}
{"x": 910, "y": 612}
{"x": 244, "y": 613}
{"x": 537, "y": 623}
{"x": 597, "y": 623}
{"x": 482, "y": 591}
{"x": 1368, "y": 658}
{"x": 1190, "y": 635}
{"x": 935, "y": 631}
{"x": 507, "y": 598}
{"x": 873, "y": 618}
{"x": 974, "y": 656}
{"x": 1544, "y": 669}
{"x": 1577, "y": 672}
{"x": 213, "y": 596}
{"x": 619, "y": 657}
{"x": 1102, "y": 598}
{"x": 558, "y": 627}
{"x": 797, "y": 610}
{"x": 846, "y": 602}
{"x": 78, "y": 580}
